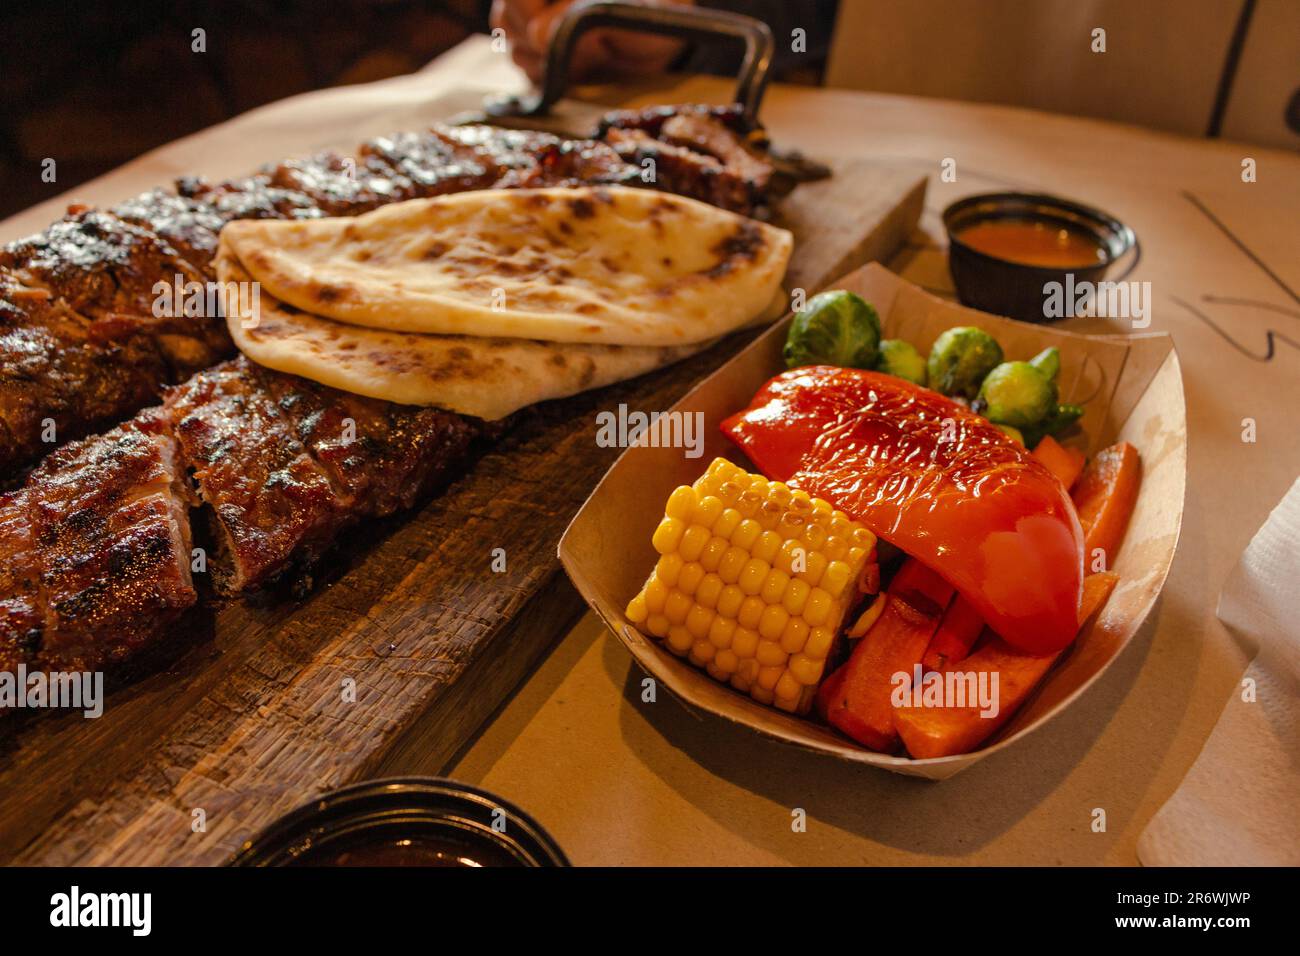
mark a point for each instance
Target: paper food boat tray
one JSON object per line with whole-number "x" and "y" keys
{"x": 1132, "y": 390}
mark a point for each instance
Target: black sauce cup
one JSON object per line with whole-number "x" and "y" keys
{"x": 404, "y": 821}
{"x": 1015, "y": 289}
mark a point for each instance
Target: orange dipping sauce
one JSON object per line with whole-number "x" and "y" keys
{"x": 1034, "y": 242}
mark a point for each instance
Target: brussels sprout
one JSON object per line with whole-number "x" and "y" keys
{"x": 1017, "y": 394}
{"x": 960, "y": 359}
{"x": 837, "y": 328}
{"x": 1011, "y": 430}
{"x": 1061, "y": 418}
{"x": 1048, "y": 361}
{"x": 902, "y": 359}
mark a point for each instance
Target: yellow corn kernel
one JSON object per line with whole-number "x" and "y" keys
{"x": 819, "y": 642}
{"x": 770, "y": 515}
{"x": 806, "y": 670}
{"x": 689, "y": 580}
{"x": 837, "y": 578}
{"x": 729, "y": 493}
{"x": 752, "y": 576}
{"x": 707, "y": 511}
{"x": 729, "y": 601}
{"x": 794, "y": 635}
{"x": 681, "y": 503}
{"x": 721, "y": 630}
{"x": 774, "y": 585}
{"x": 637, "y": 611}
{"x": 668, "y": 535}
{"x": 772, "y": 622}
{"x": 679, "y": 640}
{"x": 751, "y": 609}
{"x": 753, "y": 583}
{"x": 814, "y": 567}
{"x": 656, "y": 593}
{"x": 744, "y": 642}
{"x": 818, "y": 608}
{"x": 869, "y": 616}
{"x": 727, "y": 523}
{"x": 792, "y": 557}
{"x": 787, "y": 692}
{"x": 746, "y": 534}
{"x": 767, "y": 546}
{"x": 693, "y": 541}
{"x": 677, "y": 607}
{"x": 698, "y": 621}
{"x": 706, "y": 595}
{"x": 732, "y": 563}
{"x": 668, "y": 567}
{"x": 815, "y": 535}
{"x": 795, "y": 596}
{"x": 769, "y": 654}
{"x": 702, "y": 652}
{"x": 712, "y": 554}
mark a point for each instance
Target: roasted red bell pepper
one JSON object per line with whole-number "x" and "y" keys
{"x": 938, "y": 481}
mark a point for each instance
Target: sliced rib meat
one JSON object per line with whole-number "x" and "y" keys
{"x": 110, "y": 530}
{"x": 271, "y": 504}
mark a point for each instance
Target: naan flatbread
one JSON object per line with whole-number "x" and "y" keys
{"x": 601, "y": 265}
{"x": 473, "y": 375}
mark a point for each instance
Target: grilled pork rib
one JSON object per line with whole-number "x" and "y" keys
{"x": 81, "y": 347}
{"x": 95, "y": 546}
{"x": 103, "y": 529}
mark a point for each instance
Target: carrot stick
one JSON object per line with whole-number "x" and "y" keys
{"x": 859, "y": 702}
{"x": 960, "y": 627}
{"x": 1064, "y": 463}
{"x": 1104, "y": 498}
{"x": 948, "y": 730}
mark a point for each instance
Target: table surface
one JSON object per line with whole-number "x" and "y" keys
{"x": 618, "y": 781}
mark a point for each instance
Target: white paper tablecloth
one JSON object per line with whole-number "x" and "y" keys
{"x": 1240, "y": 803}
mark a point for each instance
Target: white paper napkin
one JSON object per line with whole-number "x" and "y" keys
{"x": 1239, "y": 805}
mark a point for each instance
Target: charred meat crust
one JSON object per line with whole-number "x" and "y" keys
{"x": 95, "y": 547}
{"x": 92, "y": 350}
{"x": 108, "y": 548}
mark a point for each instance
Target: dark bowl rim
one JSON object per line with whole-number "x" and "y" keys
{"x": 1117, "y": 227}
{"x": 283, "y": 832}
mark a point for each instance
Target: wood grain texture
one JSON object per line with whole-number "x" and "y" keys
{"x": 243, "y": 715}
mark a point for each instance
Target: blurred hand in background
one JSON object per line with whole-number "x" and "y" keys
{"x": 530, "y": 24}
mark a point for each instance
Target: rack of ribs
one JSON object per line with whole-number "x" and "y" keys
{"x": 96, "y": 543}
{"x": 81, "y": 346}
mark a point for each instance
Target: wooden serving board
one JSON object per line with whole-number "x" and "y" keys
{"x": 392, "y": 664}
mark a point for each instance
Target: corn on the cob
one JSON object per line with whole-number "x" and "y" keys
{"x": 753, "y": 582}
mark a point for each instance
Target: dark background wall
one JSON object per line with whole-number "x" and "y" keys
{"x": 95, "y": 84}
